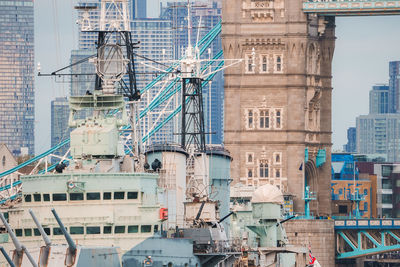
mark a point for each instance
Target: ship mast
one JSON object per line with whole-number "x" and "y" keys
{"x": 115, "y": 65}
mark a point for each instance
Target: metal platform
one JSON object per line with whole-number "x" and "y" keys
{"x": 352, "y": 8}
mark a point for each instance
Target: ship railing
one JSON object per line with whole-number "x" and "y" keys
{"x": 223, "y": 246}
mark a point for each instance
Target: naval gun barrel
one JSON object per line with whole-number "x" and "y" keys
{"x": 226, "y": 217}
{"x": 285, "y": 220}
{"x": 3, "y": 251}
{"x": 71, "y": 244}
{"x": 17, "y": 244}
{"x": 29, "y": 256}
{"x": 46, "y": 239}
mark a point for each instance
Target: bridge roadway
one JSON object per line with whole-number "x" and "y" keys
{"x": 352, "y": 8}
{"x": 361, "y": 237}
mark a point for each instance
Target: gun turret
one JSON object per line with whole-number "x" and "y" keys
{"x": 3, "y": 251}
{"x": 71, "y": 244}
{"x": 46, "y": 239}
{"x": 19, "y": 249}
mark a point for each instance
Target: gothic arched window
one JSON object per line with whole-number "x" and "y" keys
{"x": 264, "y": 169}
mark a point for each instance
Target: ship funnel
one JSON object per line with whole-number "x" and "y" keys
{"x": 3, "y": 251}
{"x": 46, "y": 239}
{"x": 71, "y": 252}
{"x": 19, "y": 249}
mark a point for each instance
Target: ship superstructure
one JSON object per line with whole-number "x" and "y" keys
{"x": 102, "y": 195}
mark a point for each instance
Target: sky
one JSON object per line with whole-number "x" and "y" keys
{"x": 364, "y": 47}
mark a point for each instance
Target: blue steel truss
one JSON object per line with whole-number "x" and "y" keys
{"x": 352, "y": 8}
{"x": 359, "y": 238}
{"x": 203, "y": 44}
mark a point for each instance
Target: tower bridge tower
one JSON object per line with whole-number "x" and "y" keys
{"x": 278, "y": 101}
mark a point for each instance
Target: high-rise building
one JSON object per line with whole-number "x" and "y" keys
{"x": 379, "y": 134}
{"x": 82, "y": 83}
{"x": 213, "y": 94}
{"x": 379, "y": 131}
{"x": 155, "y": 36}
{"x": 139, "y": 9}
{"x": 17, "y": 75}
{"x": 394, "y": 87}
{"x": 351, "y": 145}
{"x": 379, "y": 99}
{"x": 59, "y": 123}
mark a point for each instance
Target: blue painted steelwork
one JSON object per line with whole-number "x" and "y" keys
{"x": 6, "y": 187}
{"x": 178, "y": 109}
{"x": 305, "y": 155}
{"x": 358, "y": 224}
{"x": 360, "y": 249}
{"x": 321, "y": 158}
{"x": 26, "y": 163}
{"x": 10, "y": 198}
{"x": 357, "y": 198}
{"x": 352, "y": 8}
{"x": 343, "y": 167}
{"x": 203, "y": 44}
{"x": 366, "y": 237}
{"x": 308, "y": 196}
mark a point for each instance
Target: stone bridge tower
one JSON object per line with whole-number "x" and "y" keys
{"x": 278, "y": 101}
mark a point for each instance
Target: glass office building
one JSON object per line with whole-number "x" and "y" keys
{"x": 59, "y": 123}
{"x": 17, "y": 76}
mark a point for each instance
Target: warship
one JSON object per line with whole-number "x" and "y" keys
{"x": 110, "y": 202}
{"x": 113, "y": 205}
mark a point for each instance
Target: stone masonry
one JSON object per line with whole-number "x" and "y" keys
{"x": 317, "y": 234}
{"x": 278, "y": 100}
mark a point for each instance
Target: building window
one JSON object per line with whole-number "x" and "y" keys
{"x": 75, "y": 196}
{"x": 28, "y": 232}
{"x": 132, "y": 195}
{"x": 342, "y": 209}
{"x": 277, "y": 158}
{"x": 59, "y": 197}
{"x": 278, "y": 65}
{"x": 107, "y": 230}
{"x": 145, "y": 229}
{"x": 249, "y": 158}
{"x": 106, "y": 195}
{"x": 264, "y": 119}
{"x": 264, "y": 64}
{"x": 249, "y": 173}
{"x": 93, "y": 230}
{"x": 93, "y": 196}
{"x": 3, "y": 161}
{"x": 277, "y": 173}
{"x": 28, "y": 198}
{"x": 250, "y": 119}
{"x": 119, "y": 229}
{"x": 133, "y": 229}
{"x": 249, "y": 64}
{"x": 37, "y": 197}
{"x": 278, "y": 118}
{"x": 76, "y": 230}
{"x": 264, "y": 171}
{"x": 119, "y": 195}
